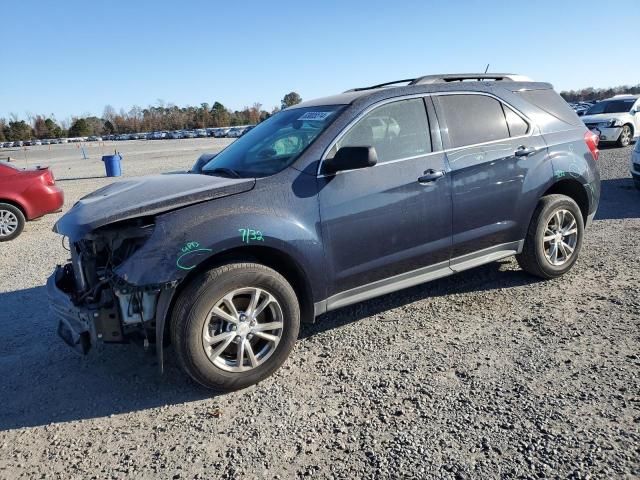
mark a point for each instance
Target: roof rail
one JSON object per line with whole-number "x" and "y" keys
{"x": 453, "y": 77}
{"x": 461, "y": 77}
{"x": 380, "y": 85}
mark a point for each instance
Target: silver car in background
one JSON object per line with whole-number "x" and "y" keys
{"x": 615, "y": 119}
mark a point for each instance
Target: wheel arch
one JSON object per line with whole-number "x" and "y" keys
{"x": 573, "y": 189}
{"x": 17, "y": 205}
{"x": 278, "y": 260}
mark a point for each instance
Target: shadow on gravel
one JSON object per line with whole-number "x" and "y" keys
{"x": 484, "y": 278}
{"x": 619, "y": 199}
{"x": 42, "y": 381}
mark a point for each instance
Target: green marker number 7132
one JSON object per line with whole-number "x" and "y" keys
{"x": 249, "y": 234}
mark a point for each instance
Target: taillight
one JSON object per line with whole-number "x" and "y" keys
{"x": 591, "y": 139}
{"x": 48, "y": 178}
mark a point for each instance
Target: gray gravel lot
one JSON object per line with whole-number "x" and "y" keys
{"x": 487, "y": 374}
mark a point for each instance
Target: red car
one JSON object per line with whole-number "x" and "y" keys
{"x": 25, "y": 194}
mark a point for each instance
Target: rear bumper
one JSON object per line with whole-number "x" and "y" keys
{"x": 75, "y": 324}
{"x": 48, "y": 201}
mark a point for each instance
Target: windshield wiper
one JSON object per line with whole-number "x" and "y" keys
{"x": 230, "y": 172}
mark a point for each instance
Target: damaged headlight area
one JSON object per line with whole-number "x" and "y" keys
{"x": 91, "y": 301}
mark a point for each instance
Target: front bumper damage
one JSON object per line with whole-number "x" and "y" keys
{"x": 607, "y": 134}
{"x": 83, "y": 325}
{"x": 75, "y": 325}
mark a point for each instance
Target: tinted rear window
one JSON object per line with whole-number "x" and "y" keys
{"x": 552, "y": 103}
{"x": 473, "y": 119}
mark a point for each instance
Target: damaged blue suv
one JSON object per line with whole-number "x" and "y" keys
{"x": 325, "y": 204}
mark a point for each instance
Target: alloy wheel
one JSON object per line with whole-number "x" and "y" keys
{"x": 625, "y": 136}
{"x": 560, "y": 237}
{"x": 8, "y": 223}
{"x": 243, "y": 329}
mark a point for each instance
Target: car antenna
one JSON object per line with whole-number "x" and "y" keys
{"x": 486, "y": 69}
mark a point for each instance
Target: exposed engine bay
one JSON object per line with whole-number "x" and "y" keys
{"x": 118, "y": 310}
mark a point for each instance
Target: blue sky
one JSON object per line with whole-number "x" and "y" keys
{"x": 74, "y": 57}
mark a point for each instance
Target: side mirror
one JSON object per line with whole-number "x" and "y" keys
{"x": 351, "y": 158}
{"x": 201, "y": 162}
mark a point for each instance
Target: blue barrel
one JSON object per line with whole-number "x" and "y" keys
{"x": 112, "y": 165}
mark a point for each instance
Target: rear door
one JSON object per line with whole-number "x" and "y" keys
{"x": 483, "y": 138}
{"x": 382, "y": 221}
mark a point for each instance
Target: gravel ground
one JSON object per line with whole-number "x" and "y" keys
{"x": 487, "y": 374}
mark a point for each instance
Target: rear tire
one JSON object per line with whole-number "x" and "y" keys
{"x": 218, "y": 308}
{"x": 12, "y": 222}
{"x": 554, "y": 215}
{"x": 624, "y": 140}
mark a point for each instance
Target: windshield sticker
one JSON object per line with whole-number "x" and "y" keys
{"x": 249, "y": 235}
{"x": 315, "y": 116}
{"x": 189, "y": 254}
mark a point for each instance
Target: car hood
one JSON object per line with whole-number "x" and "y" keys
{"x": 145, "y": 196}
{"x": 603, "y": 117}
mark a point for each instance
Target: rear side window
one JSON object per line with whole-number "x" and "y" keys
{"x": 552, "y": 103}
{"x": 473, "y": 119}
{"x": 397, "y": 130}
{"x": 517, "y": 126}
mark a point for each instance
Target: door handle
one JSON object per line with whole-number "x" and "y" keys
{"x": 523, "y": 151}
{"x": 431, "y": 176}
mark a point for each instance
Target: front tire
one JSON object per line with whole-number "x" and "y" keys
{"x": 554, "y": 238}
{"x": 235, "y": 325}
{"x": 624, "y": 140}
{"x": 12, "y": 222}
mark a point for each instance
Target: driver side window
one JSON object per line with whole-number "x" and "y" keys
{"x": 396, "y": 130}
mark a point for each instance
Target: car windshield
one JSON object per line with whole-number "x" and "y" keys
{"x": 274, "y": 144}
{"x": 611, "y": 106}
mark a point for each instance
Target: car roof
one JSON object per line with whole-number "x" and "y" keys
{"x": 430, "y": 84}
{"x": 627, "y": 96}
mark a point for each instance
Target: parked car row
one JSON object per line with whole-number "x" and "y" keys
{"x": 229, "y": 132}
{"x": 581, "y": 107}
{"x": 33, "y": 143}
{"x": 221, "y": 132}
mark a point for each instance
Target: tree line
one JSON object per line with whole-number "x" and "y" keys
{"x": 172, "y": 117}
{"x": 590, "y": 93}
{"x": 152, "y": 118}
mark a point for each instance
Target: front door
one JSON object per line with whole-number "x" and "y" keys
{"x": 382, "y": 221}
